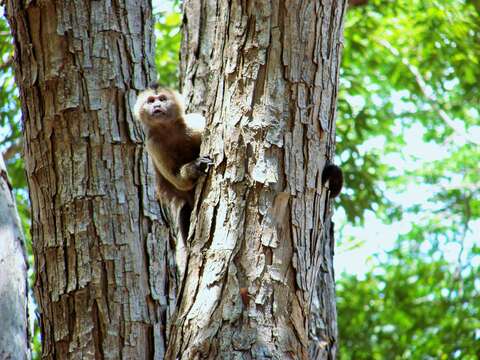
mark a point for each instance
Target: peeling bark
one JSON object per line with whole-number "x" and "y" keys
{"x": 99, "y": 243}
{"x": 14, "y": 334}
{"x": 259, "y": 280}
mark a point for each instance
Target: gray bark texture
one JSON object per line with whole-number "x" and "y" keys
{"x": 259, "y": 280}
{"x": 14, "y": 334}
{"x": 98, "y": 240}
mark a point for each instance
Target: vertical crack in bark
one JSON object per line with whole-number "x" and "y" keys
{"x": 98, "y": 336}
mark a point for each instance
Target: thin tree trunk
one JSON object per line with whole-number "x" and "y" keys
{"x": 259, "y": 281}
{"x": 14, "y": 334}
{"x": 98, "y": 243}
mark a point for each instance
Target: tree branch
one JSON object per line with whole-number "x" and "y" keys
{"x": 7, "y": 63}
{"x": 13, "y": 149}
{"x": 429, "y": 95}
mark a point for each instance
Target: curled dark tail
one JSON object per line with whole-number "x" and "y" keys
{"x": 334, "y": 175}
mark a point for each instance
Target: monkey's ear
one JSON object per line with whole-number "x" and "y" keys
{"x": 141, "y": 99}
{"x": 180, "y": 100}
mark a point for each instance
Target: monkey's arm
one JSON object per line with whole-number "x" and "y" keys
{"x": 186, "y": 177}
{"x": 188, "y": 174}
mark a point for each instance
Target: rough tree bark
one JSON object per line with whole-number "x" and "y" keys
{"x": 98, "y": 242}
{"x": 259, "y": 281}
{"x": 14, "y": 335}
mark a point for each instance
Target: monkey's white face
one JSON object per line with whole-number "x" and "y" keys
{"x": 161, "y": 106}
{"x": 158, "y": 107}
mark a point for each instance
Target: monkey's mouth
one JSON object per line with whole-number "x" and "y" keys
{"x": 158, "y": 111}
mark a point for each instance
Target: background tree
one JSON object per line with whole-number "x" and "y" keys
{"x": 99, "y": 255}
{"x": 266, "y": 75}
{"x": 10, "y": 147}
{"x": 14, "y": 337}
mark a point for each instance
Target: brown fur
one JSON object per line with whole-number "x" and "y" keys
{"x": 175, "y": 147}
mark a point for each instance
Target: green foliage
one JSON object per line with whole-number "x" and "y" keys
{"x": 410, "y": 82}
{"x": 167, "y": 30}
{"x": 10, "y": 128}
{"x": 404, "y": 63}
{"x": 409, "y": 308}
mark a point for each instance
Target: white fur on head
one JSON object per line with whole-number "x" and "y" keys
{"x": 141, "y": 99}
{"x": 180, "y": 101}
{"x": 143, "y": 96}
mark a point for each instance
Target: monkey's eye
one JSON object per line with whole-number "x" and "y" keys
{"x": 150, "y": 99}
{"x": 162, "y": 98}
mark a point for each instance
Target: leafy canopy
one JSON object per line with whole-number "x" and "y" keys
{"x": 410, "y": 107}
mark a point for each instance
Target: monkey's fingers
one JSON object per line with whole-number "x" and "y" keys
{"x": 203, "y": 163}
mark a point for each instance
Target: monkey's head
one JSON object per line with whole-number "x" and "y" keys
{"x": 157, "y": 107}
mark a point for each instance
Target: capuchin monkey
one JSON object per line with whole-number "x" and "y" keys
{"x": 173, "y": 142}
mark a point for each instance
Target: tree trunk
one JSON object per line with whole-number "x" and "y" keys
{"x": 14, "y": 335}
{"x": 259, "y": 281}
{"x": 98, "y": 243}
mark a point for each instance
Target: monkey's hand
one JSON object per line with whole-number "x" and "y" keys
{"x": 202, "y": 164}
{"x": 190, "y": 172}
